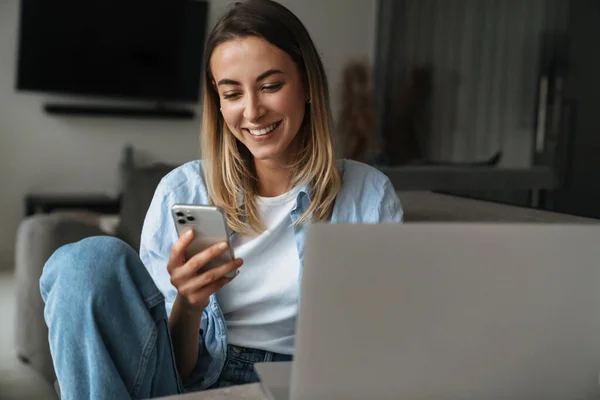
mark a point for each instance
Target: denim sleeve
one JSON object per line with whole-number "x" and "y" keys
{"x": 390, "y": 208}
{"x": 158, "y": 236}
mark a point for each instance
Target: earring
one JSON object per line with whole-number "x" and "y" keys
{"x": 221, "y": 109}
{"x": 308, "y": 100}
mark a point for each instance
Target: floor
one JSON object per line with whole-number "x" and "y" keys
{"x": 17, "y": 381}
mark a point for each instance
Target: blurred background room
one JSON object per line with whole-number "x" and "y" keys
{"x": 477, "y": 110}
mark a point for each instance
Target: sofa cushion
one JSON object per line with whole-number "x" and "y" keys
{"x": 138, "y": 192}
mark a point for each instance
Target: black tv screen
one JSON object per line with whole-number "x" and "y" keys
{"x": 136, "y": 49}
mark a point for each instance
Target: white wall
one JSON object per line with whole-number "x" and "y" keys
{"x": 49, "y": 154}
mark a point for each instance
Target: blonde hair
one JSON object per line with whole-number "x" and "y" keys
{"x": 228, "y": 165}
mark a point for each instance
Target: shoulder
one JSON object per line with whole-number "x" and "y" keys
{"x": 190, "y": 172}
{"x": 366, "y": 196}
{"x": 185, "y": 183}
{"x": 358, "y": 178}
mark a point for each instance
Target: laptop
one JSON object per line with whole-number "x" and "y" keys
{"x": 445, "y": 311}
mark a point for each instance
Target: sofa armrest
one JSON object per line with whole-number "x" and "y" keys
{"x": 109, "y": 223}
{"x": 38, "y": 237}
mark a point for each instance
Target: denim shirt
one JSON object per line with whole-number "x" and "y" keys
{"x": 367, "y": 196}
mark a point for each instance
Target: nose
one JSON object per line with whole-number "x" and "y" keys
{"x": 253, "y": 109}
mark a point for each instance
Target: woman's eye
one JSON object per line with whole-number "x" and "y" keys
{"x": 229, "y": 96}
{"x": 272, "y": 87}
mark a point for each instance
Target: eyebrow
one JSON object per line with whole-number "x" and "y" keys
{"x": 262, "y": 76}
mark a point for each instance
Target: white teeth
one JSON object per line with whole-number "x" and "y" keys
{"x": 264, "y": 131}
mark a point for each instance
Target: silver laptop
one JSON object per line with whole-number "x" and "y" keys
{"x": 446, "y": 311}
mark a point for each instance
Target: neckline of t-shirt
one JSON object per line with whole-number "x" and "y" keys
{"x": 279, "y": 200}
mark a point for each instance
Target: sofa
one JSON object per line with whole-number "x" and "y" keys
{"x": 40, "y": 235}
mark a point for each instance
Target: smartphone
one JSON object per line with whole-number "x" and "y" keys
{"x": 209, "y": 225}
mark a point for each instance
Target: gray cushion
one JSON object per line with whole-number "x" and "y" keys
{"x": 38, "y": 237}
{"x": 139, "y": 190}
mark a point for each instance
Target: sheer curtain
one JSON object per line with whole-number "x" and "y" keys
{"x": 482, "y": 61}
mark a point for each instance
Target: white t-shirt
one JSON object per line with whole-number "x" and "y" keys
{"x": 261, "y": 304}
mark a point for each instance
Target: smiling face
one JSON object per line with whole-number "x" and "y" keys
{"x": 261, "y": 94}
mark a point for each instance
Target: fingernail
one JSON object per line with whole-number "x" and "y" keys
{"x": 188, "y": 233}
{"x": 239, "y": 262}
{"x": 223, "y": 245}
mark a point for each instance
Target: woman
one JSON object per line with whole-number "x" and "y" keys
{"x": 121, "y": 326}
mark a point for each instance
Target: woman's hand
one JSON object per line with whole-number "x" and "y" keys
{"x": 193, "y": 288}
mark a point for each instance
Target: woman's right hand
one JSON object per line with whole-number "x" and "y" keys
{"x": 193, "y": 288}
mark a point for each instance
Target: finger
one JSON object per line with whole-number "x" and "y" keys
{"x": 207, "y": 278}
{"x": 194, "y": 264}
{"x": 179, "y": 247}
{"x": 209, "y": 290}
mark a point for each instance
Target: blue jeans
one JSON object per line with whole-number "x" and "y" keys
{"x": 239, "y": 366}
{"x": 108, "y": 328}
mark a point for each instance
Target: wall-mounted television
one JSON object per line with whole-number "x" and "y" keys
{"x": 130, "y": 49}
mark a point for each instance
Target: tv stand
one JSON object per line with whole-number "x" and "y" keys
{"x": 160, "y": 111}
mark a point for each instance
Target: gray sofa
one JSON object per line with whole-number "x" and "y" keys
{"x": 40, "y": 235}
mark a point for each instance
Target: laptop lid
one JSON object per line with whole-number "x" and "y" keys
{"x": 275, "y": 379}
{"x": 449, "y": 311}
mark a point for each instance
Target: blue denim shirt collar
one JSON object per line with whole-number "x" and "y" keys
{"x": 302, "y": 202}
